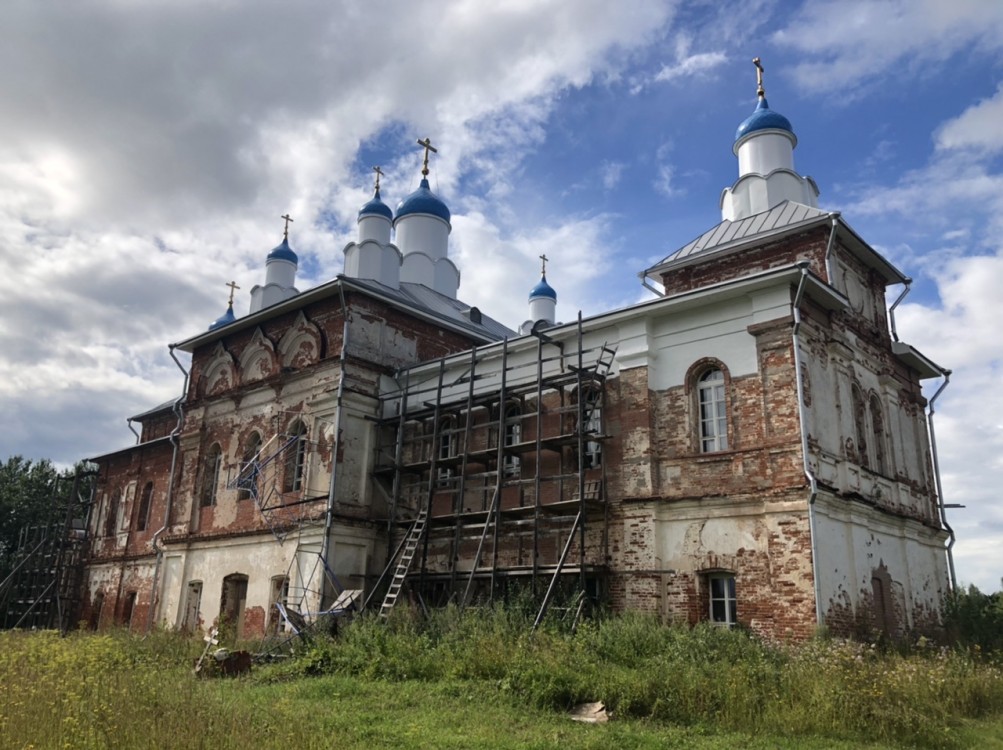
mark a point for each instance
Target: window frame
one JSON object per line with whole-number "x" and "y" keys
{"x": 594, "y": 404}
{"x": 512, "y": 421}
{"x": 712, "y": 434}
{"x": 294, "y": 470}
{"x": 212, "y": 466}
{"x": 446, "y": 448}
{"x": 858, "y": 405}
{"x": 879, "y": 434}
{"x": 727, "y": 596}
{"x": 252, "y": 446}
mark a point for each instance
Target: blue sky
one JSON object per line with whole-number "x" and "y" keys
{"x": 147, "y": 151}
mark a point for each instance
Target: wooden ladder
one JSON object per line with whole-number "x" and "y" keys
{"x": 404, "y": 563}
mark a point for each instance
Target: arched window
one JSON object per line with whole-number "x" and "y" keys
{"x": 878, "y": 432}
{"x": 248, "y": 473}
{"x": 713, "y": 412}
{"x": 111, "y": 517}
{"x": 143, "y": 510}
{"x": 860, "y": 425}
{"x": 210, "y": 475}
{"x": 295, "y": 466}
{"x": 513, "y": 436}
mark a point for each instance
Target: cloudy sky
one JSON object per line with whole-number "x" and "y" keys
{"x": 147, "y": 150}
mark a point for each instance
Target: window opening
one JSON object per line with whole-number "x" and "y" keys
{"x": 143, "y": 512}
{"x": 231, "y": 604}
{"x": 111, "y": 520}
{"x": 860, "y": 426}
{"x": 513, "y": 436}
{"x": 295, "y": 468}
{"x": 593, "y": 426}
{"x": 193, "y": 600}
{"x": 723, "y": 610}
{"x": 878, "y": 431}
{"x": 250, "y": 454}
{"x": 279, "y": 595}
{"x": 96, "y": 608}
{"x": 713, "y": 412}
{"x": 447, "y": 449}
{"x": 128, "y": 609}
{"x": 210, "y": 475}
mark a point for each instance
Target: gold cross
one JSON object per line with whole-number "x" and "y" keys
{"x": 760, "y": 91}
{"x": 288, "y": 218}
{"x": 379, "y": 174}
{"x": 427, "y": 145}
{"x": 544, "y": 260}
{"x": 233, "y": 287}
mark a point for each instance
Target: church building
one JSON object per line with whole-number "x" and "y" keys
{"x": 751, "y": 446}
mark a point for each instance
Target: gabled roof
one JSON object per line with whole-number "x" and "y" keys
{"x": 784, "y": 219}
{"x": 777, "y": 220}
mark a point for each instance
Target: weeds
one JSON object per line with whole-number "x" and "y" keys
{"x": 116, "y": 690}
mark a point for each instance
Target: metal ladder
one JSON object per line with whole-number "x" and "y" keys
{"x": 404, "y": 563}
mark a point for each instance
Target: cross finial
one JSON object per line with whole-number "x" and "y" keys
{"x": 285, "y": 232}
{"x": 379, "y": 174}
{"x": 427, "y": 145}
{"x": 233, "y": 287}
{"x": 760, "y": 91}
{"x": 543, "y": 260}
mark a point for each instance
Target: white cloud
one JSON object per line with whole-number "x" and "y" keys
{"x": 963, "y": 334}
{"x": 147, "y": 151}
{"x": 611, "y": 171}
{"x": 855, "y": 42}
{"x": 690, "y": 65}
{"x": 980, "y": 127}
{"x": 663, "y": 182}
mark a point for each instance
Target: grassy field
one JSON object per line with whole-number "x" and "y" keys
{"x": 483, "y": 681}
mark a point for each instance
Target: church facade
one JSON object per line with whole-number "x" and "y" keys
{"x": 749, "y": 447}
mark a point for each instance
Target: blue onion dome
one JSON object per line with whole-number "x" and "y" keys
{"x": 763, "y": 118}
{"x": 543, "y": 289}
{"x": 423, "y": 201}
{"x": 224, "y": 319}
{"x": 376, "y": 207}
{"x": 283, "y": 252}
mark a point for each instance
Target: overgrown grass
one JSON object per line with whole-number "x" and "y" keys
{"x": 704, "y": 676}
{"x": 484, "y": 680}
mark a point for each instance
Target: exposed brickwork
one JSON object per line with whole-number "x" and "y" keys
{"x": 663, "y": 516}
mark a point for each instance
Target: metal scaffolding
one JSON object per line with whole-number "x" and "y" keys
{"x": 43, "y": 589}
{"x": 494, "y": 473}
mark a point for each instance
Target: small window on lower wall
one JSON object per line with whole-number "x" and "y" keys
{"x": 722, "y": 599}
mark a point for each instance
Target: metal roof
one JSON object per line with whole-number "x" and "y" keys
{"x": 454, "y": 310}
{"x": 166, "y": 406}
{"x": 782, "y": 216}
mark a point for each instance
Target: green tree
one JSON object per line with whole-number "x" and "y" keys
{"x": 976, "y": 619}
{"x": 25, "y": 498}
